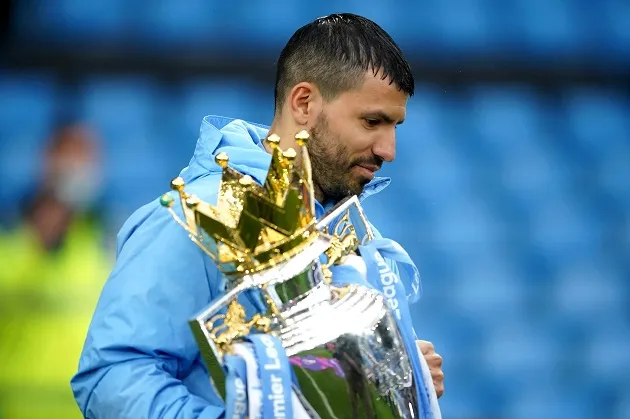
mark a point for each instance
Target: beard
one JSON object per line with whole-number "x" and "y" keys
{"x": 331, "y": 163}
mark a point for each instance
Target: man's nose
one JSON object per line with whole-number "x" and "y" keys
{"x": 385, "y": 147}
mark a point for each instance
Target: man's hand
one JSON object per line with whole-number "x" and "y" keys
{"x": 435, "y": 365}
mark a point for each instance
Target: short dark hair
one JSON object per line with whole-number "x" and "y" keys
{"x": 334, "y": 52}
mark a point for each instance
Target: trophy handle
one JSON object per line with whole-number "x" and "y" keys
{"x": 354, "y": 215}
{"x": 287, "y": 283}
{"x": 210, "y": 348}
{"x": 347, "y": 225}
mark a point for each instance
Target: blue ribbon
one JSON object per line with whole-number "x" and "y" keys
{"x": 236, "y": 403}
{"x": 275, "y": 375}
{"x": 391, "y": 250}
{"x": 398, "y": 291}
{"x": 397, "y": 294}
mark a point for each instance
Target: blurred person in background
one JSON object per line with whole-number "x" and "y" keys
{"x": 344, "y": 80}
{"x": 55, "y": 268}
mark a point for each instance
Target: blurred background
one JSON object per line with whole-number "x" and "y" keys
{"x": 511, "y": 189}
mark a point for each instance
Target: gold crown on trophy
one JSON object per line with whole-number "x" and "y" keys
{"x": 253, "y": 227}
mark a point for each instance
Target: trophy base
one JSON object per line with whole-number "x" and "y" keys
{"x": 348, "y": 356}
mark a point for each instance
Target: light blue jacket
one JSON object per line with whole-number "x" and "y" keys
{"x": 140, "y": 359}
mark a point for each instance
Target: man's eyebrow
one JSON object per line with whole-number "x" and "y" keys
{"x": 383, "y": 117}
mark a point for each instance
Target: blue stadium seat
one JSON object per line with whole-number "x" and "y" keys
{"x": 424, "y": 123}
{"x": 427, "y": 158}
{"x": 231, "y": 98}
{"x": 489, "y": 286}
{"x": 412, "y": 24}
{"x": 514, "y": 128}
{"x": 606, "y": 350}
{"x": 534, "y": 173}
{"x": 75, "y": 21}
{"x": 27, "y": 106}
{"x": 615, "y": 25}
{"x": 27, "y": 116}
{"x": 171, "y": 23}
{"x": 551, "y": 27}
{"x": 124, "y": 112}
{"x": 590, "y": 292}
{"x": 464, "y": 32}
{"x": 270, "y": 31}
{"x": 461, "y": 224}
{"x": 120, "y": 105}
{"x": 471, "y": 394}
{"x": 519, "y": 351}
{"x": 506, "y": 116}
{"x": 505, "y": 35}
{"x": 438, "y": 172}
{"x": 462, "y": 331}
{"x": 622, "y": 408}
{"x": 551, "y": 400}
{"x": 613, "y": 178}
{"x": 598, "y": 119}
{"x": 189, "y": 102}
{"x": 562, "y": 230}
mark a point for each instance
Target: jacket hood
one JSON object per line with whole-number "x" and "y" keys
{"x": 242, "y": 141}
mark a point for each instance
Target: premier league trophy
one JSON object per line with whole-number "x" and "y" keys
{"x": 344, "y": 346}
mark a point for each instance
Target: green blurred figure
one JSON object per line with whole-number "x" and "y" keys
{"x": 53, "y": 268}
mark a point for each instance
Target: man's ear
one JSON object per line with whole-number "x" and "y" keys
{"x": 305, "y": 103}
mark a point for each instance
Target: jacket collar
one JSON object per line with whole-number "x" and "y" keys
{"x": 243, "y": 142}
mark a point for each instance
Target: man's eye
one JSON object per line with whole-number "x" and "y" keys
{"x": 372, "y": 122}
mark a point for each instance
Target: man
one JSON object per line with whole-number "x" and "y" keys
{"x": 55, "y": 269}
{"x": 344, "y": 80}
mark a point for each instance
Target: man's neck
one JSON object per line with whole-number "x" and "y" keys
{"x": 319, "y": 194}
{"x": 286, "y": 132}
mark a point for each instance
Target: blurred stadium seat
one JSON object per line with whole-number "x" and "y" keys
{"x": 536, "y": 29}
{"x": 167, "y": 24}
{"x": 549, "y": 401}
{"x": 124, "y": 111}
{"x": 74, "y": 21}
{"x": 235, "y": 98}
{"x": 616, "y": 44}
{"x": 551, "y": 27}
{"x": 27, "y": 115}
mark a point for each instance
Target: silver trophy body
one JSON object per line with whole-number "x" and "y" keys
{"x": 343, "y": 343}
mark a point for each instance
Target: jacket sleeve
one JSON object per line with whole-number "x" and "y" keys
{"x": 139, "y": 348}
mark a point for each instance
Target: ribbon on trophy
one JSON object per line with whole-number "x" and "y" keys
{"x": 259, "y": 381}
{"x": 396, "y": 289}
{"x": 237, "y": 403}
{"x": 389, "y": 249}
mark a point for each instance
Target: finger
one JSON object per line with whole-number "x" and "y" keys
{"x": 438, "y": 376}
{"x": 425, "y": 346}
{"x": 434, "y": 360}
{"x": 439, "y": 390}
{"x": 438, "y": 382}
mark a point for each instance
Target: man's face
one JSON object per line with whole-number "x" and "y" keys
{"x": 353, "y": 135}
{"x": 72, "y": 167}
